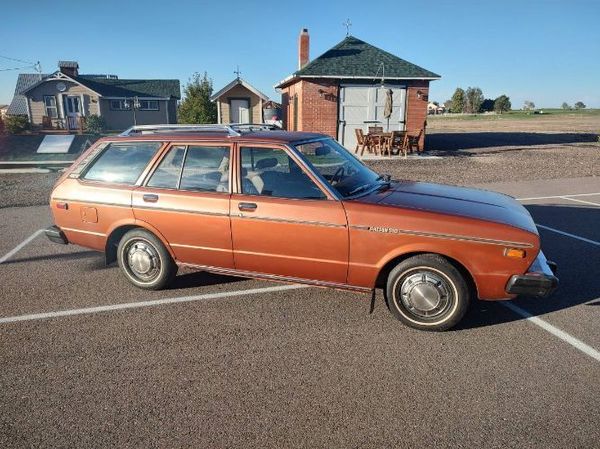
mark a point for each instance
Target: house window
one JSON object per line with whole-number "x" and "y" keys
{"x": 120, "y": 105}
{"x": 148, "y": 105}
{"x": 50, "y": 105}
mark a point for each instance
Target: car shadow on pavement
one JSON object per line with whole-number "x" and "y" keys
{"x": 578, "y": 267}
{"x": 201, "y": 279}
{"x": 472, "y": 140}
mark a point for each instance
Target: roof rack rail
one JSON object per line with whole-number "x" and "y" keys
{"x": 255, "y": 127}
{"x": 156, "y": 129}
{"x": 233, "y": 129}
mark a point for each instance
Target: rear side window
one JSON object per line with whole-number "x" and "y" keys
{"x": 169, "y": 170}
{"x": 122, "y": 162}
{"x": 206, "y": 169}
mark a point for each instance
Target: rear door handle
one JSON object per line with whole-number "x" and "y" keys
{"x": 247, "y": 206}
{"x": 150, "y": 197}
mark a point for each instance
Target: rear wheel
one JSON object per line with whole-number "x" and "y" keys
{"x": 427, "y": 292}
{"x": 145, "y": 260}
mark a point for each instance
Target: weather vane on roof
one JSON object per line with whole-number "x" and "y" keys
{"x": 237, "y": 71}
{"x": 347, "y": 24}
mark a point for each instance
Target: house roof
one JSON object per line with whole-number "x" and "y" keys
{"x": 353, "y": 58}
{"x": 236, "y": 82}
{"x": 102, "y": 85}
{"x": 18, "y": 105}
{"x": 111, "y": 87}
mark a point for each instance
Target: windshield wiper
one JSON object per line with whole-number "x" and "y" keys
{"x": 359, "y": 189}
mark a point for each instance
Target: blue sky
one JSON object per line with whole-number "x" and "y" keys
{"x": 546, "y": 51}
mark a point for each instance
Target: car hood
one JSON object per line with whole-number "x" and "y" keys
{"x": 461, "y": 201}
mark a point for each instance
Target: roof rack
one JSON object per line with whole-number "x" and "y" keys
{"x": 156, "y": 129}
{"x": 232, "y": 130}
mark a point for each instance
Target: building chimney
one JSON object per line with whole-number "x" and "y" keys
{"x": 303, "y": 48}
{"x": 69, "y": 68}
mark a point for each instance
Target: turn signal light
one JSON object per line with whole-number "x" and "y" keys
{"x": 515, "y": 253}
{"x": 62, "y": 205}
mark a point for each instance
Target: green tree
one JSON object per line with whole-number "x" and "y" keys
{"x": 16, "y": 124}
{"x": 487, "y": 105}
{"x": 458, "y": 101}
{"x": 529, "y": 105}
{"x": 94, "y": 124}
{"x": 502, "y": 104}
{"x": 474, "y": 100}
{"x": 565, "y": 106}
{"x": 580, "y": 105}
{"x": 196, "y": 106}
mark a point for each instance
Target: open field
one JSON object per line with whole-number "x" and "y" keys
{"x": 554, "y": 120}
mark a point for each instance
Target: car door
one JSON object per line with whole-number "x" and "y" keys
{"x": 282, "y": 222}
{"x": 186, "y": 198}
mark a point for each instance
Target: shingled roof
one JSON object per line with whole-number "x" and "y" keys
{"x": 105, "y": 86}
{"x": 111, "y": 87}
{"x": 18, "y": 105}
{"x": 353, "y": 58}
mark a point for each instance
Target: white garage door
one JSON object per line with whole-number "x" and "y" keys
{"x": 363, "y": 106}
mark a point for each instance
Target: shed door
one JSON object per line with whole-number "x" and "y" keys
{"x": 240, "y": 111}
{"x": 363, "y": 106}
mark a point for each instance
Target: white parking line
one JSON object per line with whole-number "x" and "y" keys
{"x": 568, "y": 234}
{"x": 156, "y": 302}
{"x": 557, "y": 196}
{"x": 580, "y": 201}
{"x": 576, "y": 343}
{"x": 20, "y": 246}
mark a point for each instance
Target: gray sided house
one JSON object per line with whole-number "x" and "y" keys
{"x": 62, "y": 100}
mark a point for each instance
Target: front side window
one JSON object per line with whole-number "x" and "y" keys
{"x": 122, "y": 162}
{"x": 339, "y": 168}
{"x": 206, "y": 169}
{"x": 50, "y": 106}
{"x": 271, "y": 172}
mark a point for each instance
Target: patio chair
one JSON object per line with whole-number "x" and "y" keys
{"x": 411, "y": 141}
{"x": 386, "y": 141}
{"x": 362, "y": 142}
{"x": 397, "y": 142}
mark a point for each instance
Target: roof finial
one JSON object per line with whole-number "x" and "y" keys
{"x": 237, "y": 72}
{"x": 347, "y": 24}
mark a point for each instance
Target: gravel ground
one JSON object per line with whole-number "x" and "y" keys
{"x": 498, "y": 165}
{"x": 458, "y": 167}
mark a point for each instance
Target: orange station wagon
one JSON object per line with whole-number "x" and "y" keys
{"x": 297, "y": 207}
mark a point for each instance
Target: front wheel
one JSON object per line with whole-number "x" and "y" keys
{"x": 145, "y": 260}
{"x": 427, "y": 292}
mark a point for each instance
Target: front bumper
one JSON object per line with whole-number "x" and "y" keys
{"x": 55, "y": 234}
{"x": 540, "y": 280}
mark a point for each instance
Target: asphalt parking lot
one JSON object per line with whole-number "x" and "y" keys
{"x": 88, "y": 360}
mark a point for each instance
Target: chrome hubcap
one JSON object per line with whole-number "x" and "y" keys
{"x": 426, "y": 294}
{"x": 142, "y": 260}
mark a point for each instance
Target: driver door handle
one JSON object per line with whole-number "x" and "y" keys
{"x": 249, "y": 207}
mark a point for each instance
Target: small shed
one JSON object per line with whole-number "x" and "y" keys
{"x": 345, "y": 89}
{"x": 239, "y": 102}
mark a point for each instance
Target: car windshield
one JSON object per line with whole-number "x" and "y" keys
{"x": 339, "y": 168}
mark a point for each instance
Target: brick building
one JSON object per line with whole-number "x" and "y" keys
{"x": 345, "y": 88}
